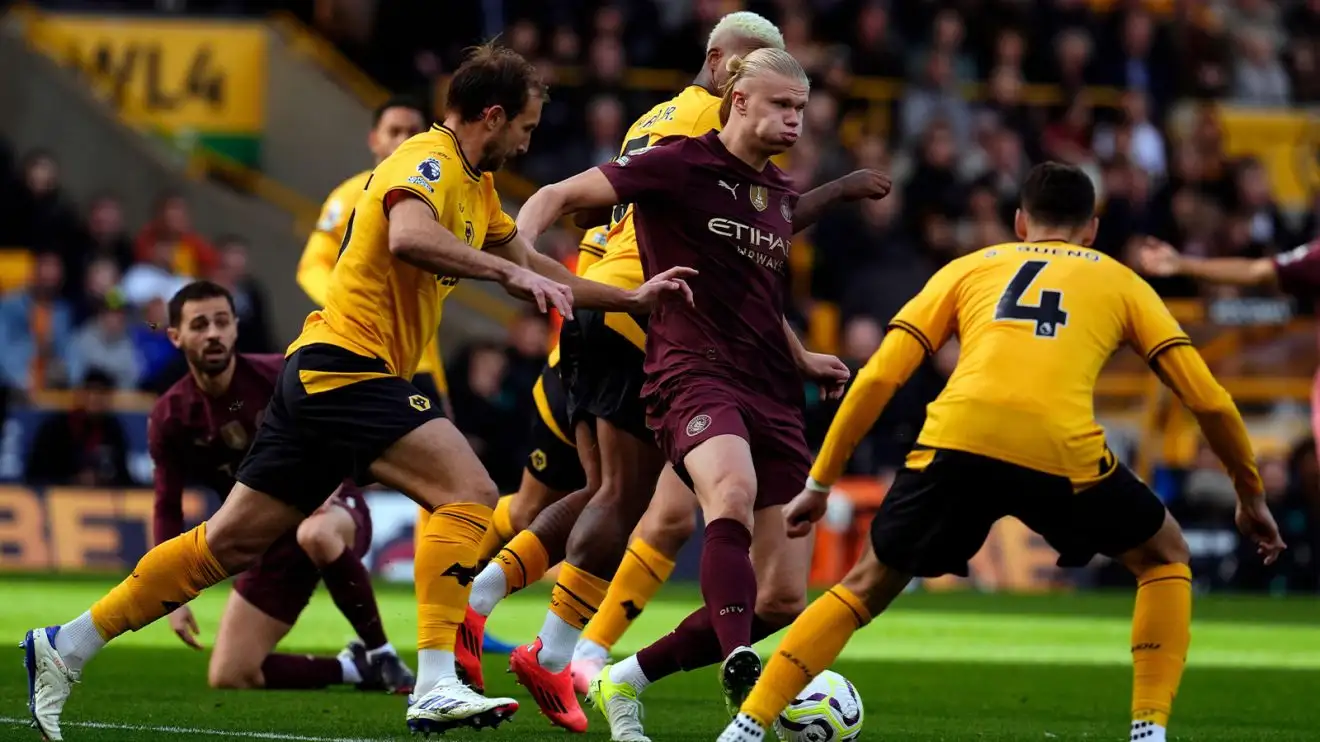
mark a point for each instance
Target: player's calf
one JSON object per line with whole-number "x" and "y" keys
{"x": 326, "y": 534}
{"x": 1161, "y": 627}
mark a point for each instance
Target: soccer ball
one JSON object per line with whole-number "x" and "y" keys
{"x": 828, "y": 710}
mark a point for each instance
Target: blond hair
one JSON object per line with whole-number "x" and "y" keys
{"x": 745, "y": 25}
{"x": 756, "y": 64}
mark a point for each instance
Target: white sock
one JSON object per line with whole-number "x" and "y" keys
{"x": 749, "y": 727}
{"x": 78, "y": 641}
{"x": 588, "y": 650}
{"x": 1147, "y": 731}
{"x": 434, "y": 666}
{"x": 630, "y": 671}
{"x": 350, "y": 670}
{"x": 384, "y": 649}
{"x": 488, "y": 589}
{"x": 558, "y": 639}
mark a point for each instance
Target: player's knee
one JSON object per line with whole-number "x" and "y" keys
{"x": 223, "y": 675}
{"x": 734, "y": 497}
{"x": 1167, "y": 546}
{"x": 321, "y": 540}
{"x": 667, "y": 529}
{"x": 233, "y": 547}
{"x": 779, "y": 608}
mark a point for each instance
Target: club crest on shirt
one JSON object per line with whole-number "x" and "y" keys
{"x": 234, "y": 435}
{"x": 785, "y": 210}
{"x": 430, "y": 169}
{"x": 538, "y": 460}
{"x": 760, "y": 199}
{"x": 469, "y": 234}
{"x": 420, "y": 402}
{"x": 697, "y": 424}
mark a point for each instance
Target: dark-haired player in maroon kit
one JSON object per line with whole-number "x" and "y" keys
{"x": 724, "y": 385}
{"x": 1296, "y": 271}
{"x": 198, "y": 433}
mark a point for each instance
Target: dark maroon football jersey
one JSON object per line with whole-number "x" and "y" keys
{"x": 1299, "y": 270}
{"x": 199, "y": 440}
{"x": 699, "y": 206}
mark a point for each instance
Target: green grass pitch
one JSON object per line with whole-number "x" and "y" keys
{"x": 937, "y": 667}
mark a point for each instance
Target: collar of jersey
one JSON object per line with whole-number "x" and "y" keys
{"x": 468, "y": 168}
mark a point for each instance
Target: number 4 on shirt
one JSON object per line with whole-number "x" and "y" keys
{"x": 1047, "y": 315}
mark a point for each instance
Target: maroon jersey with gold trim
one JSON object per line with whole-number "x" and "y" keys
{"x": 199, "y": 440}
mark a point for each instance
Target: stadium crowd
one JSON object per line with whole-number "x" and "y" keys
{"x": 945, "y": 96}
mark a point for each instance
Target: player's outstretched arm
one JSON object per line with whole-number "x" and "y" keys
{"x": 1158, "y": 258}
{"x": 892, "y": 365}
{"x": 1183, "y": 370}
{"x": 854, "y": 186}
{"x": 418, "y": 239}
{"x": 589, "y": 190}
{"x": 595, "y": 295}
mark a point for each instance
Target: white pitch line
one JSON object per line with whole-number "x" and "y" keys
{"x": 194, "y": 732}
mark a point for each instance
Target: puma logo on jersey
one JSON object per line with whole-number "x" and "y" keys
{"x": 732, "y": 189}
{"x": 462, "y": 573}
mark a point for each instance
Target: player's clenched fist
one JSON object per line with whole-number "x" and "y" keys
{"x": 663, "y": 286}
{"x": 804, "y": 510}
{"x": 861, "y": 184}
{"x": 544, "y": 292}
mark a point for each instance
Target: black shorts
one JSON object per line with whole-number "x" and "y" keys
{"x": 932, "y": 522}
{"x": 602, "y": 373}
{"x": 554, "y": 460}
{"x": 326, "y": 423}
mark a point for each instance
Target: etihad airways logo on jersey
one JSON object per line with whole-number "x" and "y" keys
{"x": 761, "y": 245}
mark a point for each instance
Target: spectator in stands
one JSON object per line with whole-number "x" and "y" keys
{"x": 188, "y": 254}
{"x": 1072, "y": 64}
{"x": 1068, "y": 138}
{"x": 39, "y": 217}
{"x": 249, "y": 296}
{"x": 1303, "y": 23}
{"x": 162, "y": 363}
{"x": 1005, "y": 101}
{"x": 104, "y": 344}
{"x": 85, "y": 446}
{"x": 605, "y": 127}
{"x": 1134, "y": 137}
{"x": 1258, "y": 76}
{"x": 934, "y": 185}
{"x": 947, "y": 35}
{"x": 1267, "y": 225}
{"x": 154, "y": 278}
{"x": 936, "y": 98}
{"x": 876, "y": 50}
{"x": 106, "y": 234}
{"x": 36, "y": 326}
{"x": 529, "y": 341}
{"x": 100, "y": 285}
{"x": 1139, "y": 66}
{"x": 1203, "y": 51}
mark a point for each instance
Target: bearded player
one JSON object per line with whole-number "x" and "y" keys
{"x": 344, "y": 407}
{"x": 198, "y": 432}
{"x": 724, "y": 381}
{"x": 392, "y": 123}
{"x": 1013, "y": 434}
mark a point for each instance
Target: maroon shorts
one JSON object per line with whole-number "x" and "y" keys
{"x": 697, "y": 409}
{"x": 282, "y": 581}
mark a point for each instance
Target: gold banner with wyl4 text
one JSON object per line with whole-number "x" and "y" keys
{"x": 198, "y": 79}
